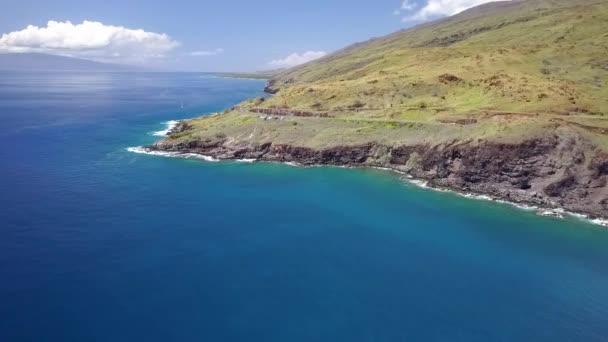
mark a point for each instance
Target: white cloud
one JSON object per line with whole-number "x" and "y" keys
{"x": 204, "y": 53}
{"x": 297, "y": 59}
{"x": 408, "y": 5}
{"x": 90, "y": 39}
{"x": 434, "y": 9}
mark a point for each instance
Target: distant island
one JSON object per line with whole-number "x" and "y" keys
{"x": 508, "y": 99}
{"x": 46, "y": 62}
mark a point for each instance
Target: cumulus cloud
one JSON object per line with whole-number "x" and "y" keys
{"x": 408, "y": 5}
{"x": 433, "y": 9}
{"x": 296, "y": 59}
{"x": 204, "y": 53}
{"x": 89, "y": 39}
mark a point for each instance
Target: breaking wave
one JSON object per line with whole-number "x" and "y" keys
{"x": 169, "y": 126}
{"x": 143, "y": 150}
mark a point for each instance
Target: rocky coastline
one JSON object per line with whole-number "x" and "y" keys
{"x": 545, "y": 172}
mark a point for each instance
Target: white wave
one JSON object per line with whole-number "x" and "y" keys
{"x": 420, "y": 183}
{"x": 170, "y": 125}
{"x": 477, "y": 197}
{"x": 601, "y": 222}
{"x": 143, "y": 150}
{"x": 558, "y": 213}
{"x": 547, "y": 212}
{"x": 583, "y": 217}
{"x": 525, "y": 207}
{"x": 399, "y": 172}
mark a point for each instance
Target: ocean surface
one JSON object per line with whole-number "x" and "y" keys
{"x": 101, "y": 244}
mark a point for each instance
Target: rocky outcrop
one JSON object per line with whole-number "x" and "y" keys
{"x": 449, "y": 78}
{"x": 181, "y": 126}
{"x": 289, "y": 112}
{"x": 270, "y": 88}
{"x": 549, "y": 172}
{"x": 456, "y": 121}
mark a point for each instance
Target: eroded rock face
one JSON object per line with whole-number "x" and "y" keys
{"x": 182, "y": 126}
{"x": 600, "y": 164}
{"x": 548, "y": 172}
{"x": 289, "y": 112}
{"x": 270, "y": 87}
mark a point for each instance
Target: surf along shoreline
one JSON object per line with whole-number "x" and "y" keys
{"x": 542, "y": 209}
{"x": 219, "y": 153}
{"x": 412, "y": 163}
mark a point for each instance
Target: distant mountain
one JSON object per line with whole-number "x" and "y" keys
{"x": 45, "y": 62}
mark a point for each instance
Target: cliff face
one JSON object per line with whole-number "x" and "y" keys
{"x": 270, "y": 88}
{"x": 549, "y": 172}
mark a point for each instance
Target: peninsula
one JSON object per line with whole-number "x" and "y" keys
{"x": 508, "y": 99}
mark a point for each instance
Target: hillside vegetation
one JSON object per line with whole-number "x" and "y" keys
{"x": 503, "y": 70}
{"x": 508, "y": 99}
{"x": 527, "y": 56}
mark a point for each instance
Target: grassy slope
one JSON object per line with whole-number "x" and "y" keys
{"x": 532, "y": 62}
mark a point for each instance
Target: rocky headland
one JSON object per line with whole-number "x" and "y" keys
{"x": 549, "y": 172}
{"x": 489, "y": 101}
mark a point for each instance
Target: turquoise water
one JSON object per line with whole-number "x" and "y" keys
{"x": 100, "y": 244}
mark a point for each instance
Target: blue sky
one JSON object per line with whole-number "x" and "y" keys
{"x": 235, "y": 35}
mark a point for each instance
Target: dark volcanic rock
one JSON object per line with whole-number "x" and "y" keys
{"x": 466, "y": 121}
{"x": 547, "y": 172}
{"x": 449, "y": 78}
{"x": 558, "y": 188}
{"x": 270, "y": 87}
{"x": 600, "y": 164}
{"x": 182, "y": 126}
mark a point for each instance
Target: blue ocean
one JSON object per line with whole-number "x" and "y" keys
{"x": 101, "y": 244}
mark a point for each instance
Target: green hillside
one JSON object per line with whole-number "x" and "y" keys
{"x": 505, "y": 70}
{"x": 509, "y": 99}
{"x": 529, "y": 56}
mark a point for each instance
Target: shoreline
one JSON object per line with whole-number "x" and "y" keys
{"x": 490, "y": 169}
{"x": 539, "y": 209}
{"x": 241, "y": 76}
{"x": 170, "y": 125}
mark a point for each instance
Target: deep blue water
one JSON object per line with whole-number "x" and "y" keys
{"x": 100, "y": 244}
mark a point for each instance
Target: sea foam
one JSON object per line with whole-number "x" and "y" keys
{"x": 143, "y": 150}
{"x": 169, "y": 126}
{"x": 556, "y": 213}
{"x": 547, "y": 212}
{"x": 601, "y": 222}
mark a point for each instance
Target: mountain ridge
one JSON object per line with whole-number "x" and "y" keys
{"x": 48, "y": 62}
